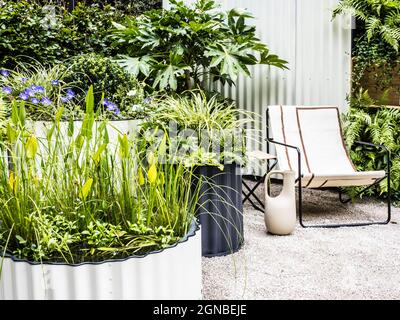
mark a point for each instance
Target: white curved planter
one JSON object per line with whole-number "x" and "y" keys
{"x": 173, "y": 273}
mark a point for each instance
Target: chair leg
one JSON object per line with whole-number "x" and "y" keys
{"x": 251, "y": 192}
{"x": 360, "y": 224}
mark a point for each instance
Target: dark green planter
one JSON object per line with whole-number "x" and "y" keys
{"x": 220, "y": 210}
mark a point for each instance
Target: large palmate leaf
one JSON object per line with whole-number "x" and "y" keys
{"x": 230, "y": 60}
{"x": 179, "y": 44}
{"x": 136, "y": 65}
{"x": 168, "y": 75}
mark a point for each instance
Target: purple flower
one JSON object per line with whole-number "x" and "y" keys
{"x": 39, "y": 89}
{"x": 23, "y": 80}
{"x": 5, "y": 73}
{"x": 35, "y": 100}
{"x": 35, "y": 89}
{"x": 55, "y": 82}
{"x": 64, "y": 99}
{"x": 46, "y": 101}
{"x": 111, "y": 106}
{"x": 117, "y": 111}
{"x": 24, "y": 96}
{"x": 7, "y": 90}
{"x": 70, "y": 94}
{"x": 30, "y": 92}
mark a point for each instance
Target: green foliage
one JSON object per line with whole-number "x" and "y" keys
{"x": 381, "y": 18}
{"x": 50, "y": 34}
{"x": 2, "y": 119}
{"x": 78, "y": 197}
{"x": 107, "y": 78}
{"x": 176, "y": 49}
{"x": 377, "y": 125}
{"x": 209, "y": 131}
{"x": 31, "y": 83}
{"x": 131, "y": 7}
{"x": 378, "y": 60}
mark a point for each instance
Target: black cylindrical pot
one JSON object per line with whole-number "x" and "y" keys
{"x": 220, "y": 209}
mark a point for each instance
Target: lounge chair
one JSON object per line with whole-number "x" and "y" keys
{"x": 309, "y": 141}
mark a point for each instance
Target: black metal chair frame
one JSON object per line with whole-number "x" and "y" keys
{"x": 341, "y": 199}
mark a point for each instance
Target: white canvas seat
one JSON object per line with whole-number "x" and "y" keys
{"x": 309, "y": 141}
{"x": 317, "y": 132}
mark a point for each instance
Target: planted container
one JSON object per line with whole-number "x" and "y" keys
{"x": 220, "y": 210}
{"x": 171, "y": 273}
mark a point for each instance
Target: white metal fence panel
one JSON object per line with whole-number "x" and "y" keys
{"x": 317, "y": 48}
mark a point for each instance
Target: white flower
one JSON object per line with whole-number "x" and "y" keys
{"x": 137, "y": 108}
{"x": 131, "y": 93}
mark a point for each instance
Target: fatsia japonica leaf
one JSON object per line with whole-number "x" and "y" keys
{"x": 136, "y": 65}
{"x": 186, "y": 41}
{"x": 228, "y": 59}
{"x": 168, "y": 75}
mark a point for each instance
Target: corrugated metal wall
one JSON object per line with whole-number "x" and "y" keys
{"x": 317, "y": 48}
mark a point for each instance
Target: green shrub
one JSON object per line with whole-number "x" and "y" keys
{"x": 379, "y": 125}
{"x": 132, "y": 7}
{"x": 49, "y": 36}
{"x": 108, "y": 78}
{"x": 174, "y": 49}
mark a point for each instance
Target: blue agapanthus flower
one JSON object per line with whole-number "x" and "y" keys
{"x": 46, "y": 101}
{"x": 35, "y": 100}
{"x": 5, "y": 73}
{"x": 7, "y": 90}
{"x": 55, "y": 82}
{"x": 24, "y": 96}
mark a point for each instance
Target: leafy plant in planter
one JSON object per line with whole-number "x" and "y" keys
{"x": 208, "y": 128}
{"x": 109, "y": 79}
{"x": 45, "y": 89}
{"x": 379, "y": 126}
{"x": 176, "y": 49}
{"x": 210, "y": 134}
{"x": 40, "y": 89}
{"x": 83, "y": 199}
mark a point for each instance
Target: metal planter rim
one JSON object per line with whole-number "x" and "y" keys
{"x": 194, "y": 228}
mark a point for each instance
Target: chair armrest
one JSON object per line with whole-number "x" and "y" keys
{"x": 369, "y": 144}
{"x": 285, "y": 145}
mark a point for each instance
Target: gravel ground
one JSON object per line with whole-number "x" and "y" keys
{"x": 345, "y": 263}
